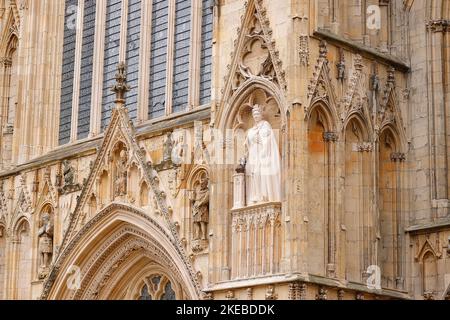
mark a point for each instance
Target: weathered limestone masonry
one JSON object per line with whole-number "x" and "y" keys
{"x": 145, "y": 191}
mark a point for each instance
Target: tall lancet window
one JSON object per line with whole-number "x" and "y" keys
{"x": 133, "y": 45}
{"x": 158, "y": 62}
{"x": 111, "y": 58}
{"x": 67, "y": 77}
{"x": 206, "y": 52}
{"x": 9, "y": 95}
{"x": 13, "y": 84}
{"x": 165, "y": 44}
{"x": 180, "y": 91}
{"x": 86, "y": 73}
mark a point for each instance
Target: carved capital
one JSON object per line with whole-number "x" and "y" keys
{"x": 323, "y": 294}
{"x": 330, "y": 136}
{"x": 270, "y": 293}
{"x": 6, "y": 62}
{"x": 440, "y": 25}
{"x": 365, "y": 147}
{"x": 398, "y": 157}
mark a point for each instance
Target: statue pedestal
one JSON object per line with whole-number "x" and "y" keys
{"x": 43, "y": 272}
{"x": 256, "y": 240}
{"x": 199, "y": 245}
{"x": 238, "y": 190}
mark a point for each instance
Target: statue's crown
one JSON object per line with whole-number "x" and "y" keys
{"x": 256, "y": 108}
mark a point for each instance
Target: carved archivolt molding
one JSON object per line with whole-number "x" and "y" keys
{"x": 92, "y": 225}
{"x": 118, "y": 249}
{"x": 120, "y": 130}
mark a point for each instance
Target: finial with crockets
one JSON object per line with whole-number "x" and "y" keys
{"x": 121, "y": 86}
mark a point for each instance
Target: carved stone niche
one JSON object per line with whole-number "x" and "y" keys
{"x": 199, "y": 199}
{"x": 243, "y": 123}
{"x": 120, "y": 165}
{"x": 45, "y": 240}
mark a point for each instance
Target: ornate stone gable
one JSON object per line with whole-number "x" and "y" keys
{"x": 48, "y": 193}
{"x": 255, "y": 55}
{"x": 355, "y": 99}
{"x": 389, "y": 112}
{"x": 120, "y": 158}
{"x": 23, "y": 206}
{"x": 320, "y": 87}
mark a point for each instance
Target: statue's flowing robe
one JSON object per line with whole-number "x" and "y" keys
{"x": 263, "y": 167}
{"x": 201, "y": 206}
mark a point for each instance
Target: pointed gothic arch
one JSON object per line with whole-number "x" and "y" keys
{"x": 322, "y": 138}
{"x": 116, "y": 235}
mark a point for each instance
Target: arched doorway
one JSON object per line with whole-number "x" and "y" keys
{"x": 122, "y": 253}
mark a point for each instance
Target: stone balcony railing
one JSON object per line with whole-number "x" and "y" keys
{"x": 256, "y": 240}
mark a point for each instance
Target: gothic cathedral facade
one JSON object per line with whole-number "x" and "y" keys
{"x": 225, "y": 149}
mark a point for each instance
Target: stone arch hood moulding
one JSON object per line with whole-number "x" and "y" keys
{"x": 114, "y": 214}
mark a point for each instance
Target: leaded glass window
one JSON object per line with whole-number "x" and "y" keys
{"x": 158, "y": 63}
{"x": 133, "y": 38}
{"x": 181, "y": 48}
{"x": 111, "y": 57}
{"x": 157, "y": 287}
{"x": 206, "y": 51}
{"x": 68, "y": 65}
{"x": 87, "y": 56}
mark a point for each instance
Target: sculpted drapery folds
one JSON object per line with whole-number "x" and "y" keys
{"x": 45, "y": 234}
{"x": 200, "y": 209}
{"x": 121, "y": 174}
{"x": 263, "y": 168}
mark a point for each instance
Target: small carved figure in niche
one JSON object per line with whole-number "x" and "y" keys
{"x": 168, "y": 147}
{"x": 121, "y": 175}
{"x": 200, "y": 209}
{"x": 375, "y": 82}
{"x": 263, "y": 165}
{"x": 69, "y": 174}
{"x": 45, "y": 235}
{"x": 341, "y": 66}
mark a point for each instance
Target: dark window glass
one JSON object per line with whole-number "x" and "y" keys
{"x": 158, "y": 58}
{"x": 206, "y": 52}
{"x": 133, "y": 38}
{"x": 111, "y": 57}
{"x": 145, "y": 295}
{"x": 68, "y": 64}
{"x": 87, "y": 55}
{"x": 168, "y": 294}
{"x": 181, "y": 55}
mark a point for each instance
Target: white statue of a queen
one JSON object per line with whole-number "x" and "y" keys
{"x": 263, "y": 165}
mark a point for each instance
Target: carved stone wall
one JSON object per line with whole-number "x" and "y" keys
{"x": 361, "y": 122}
